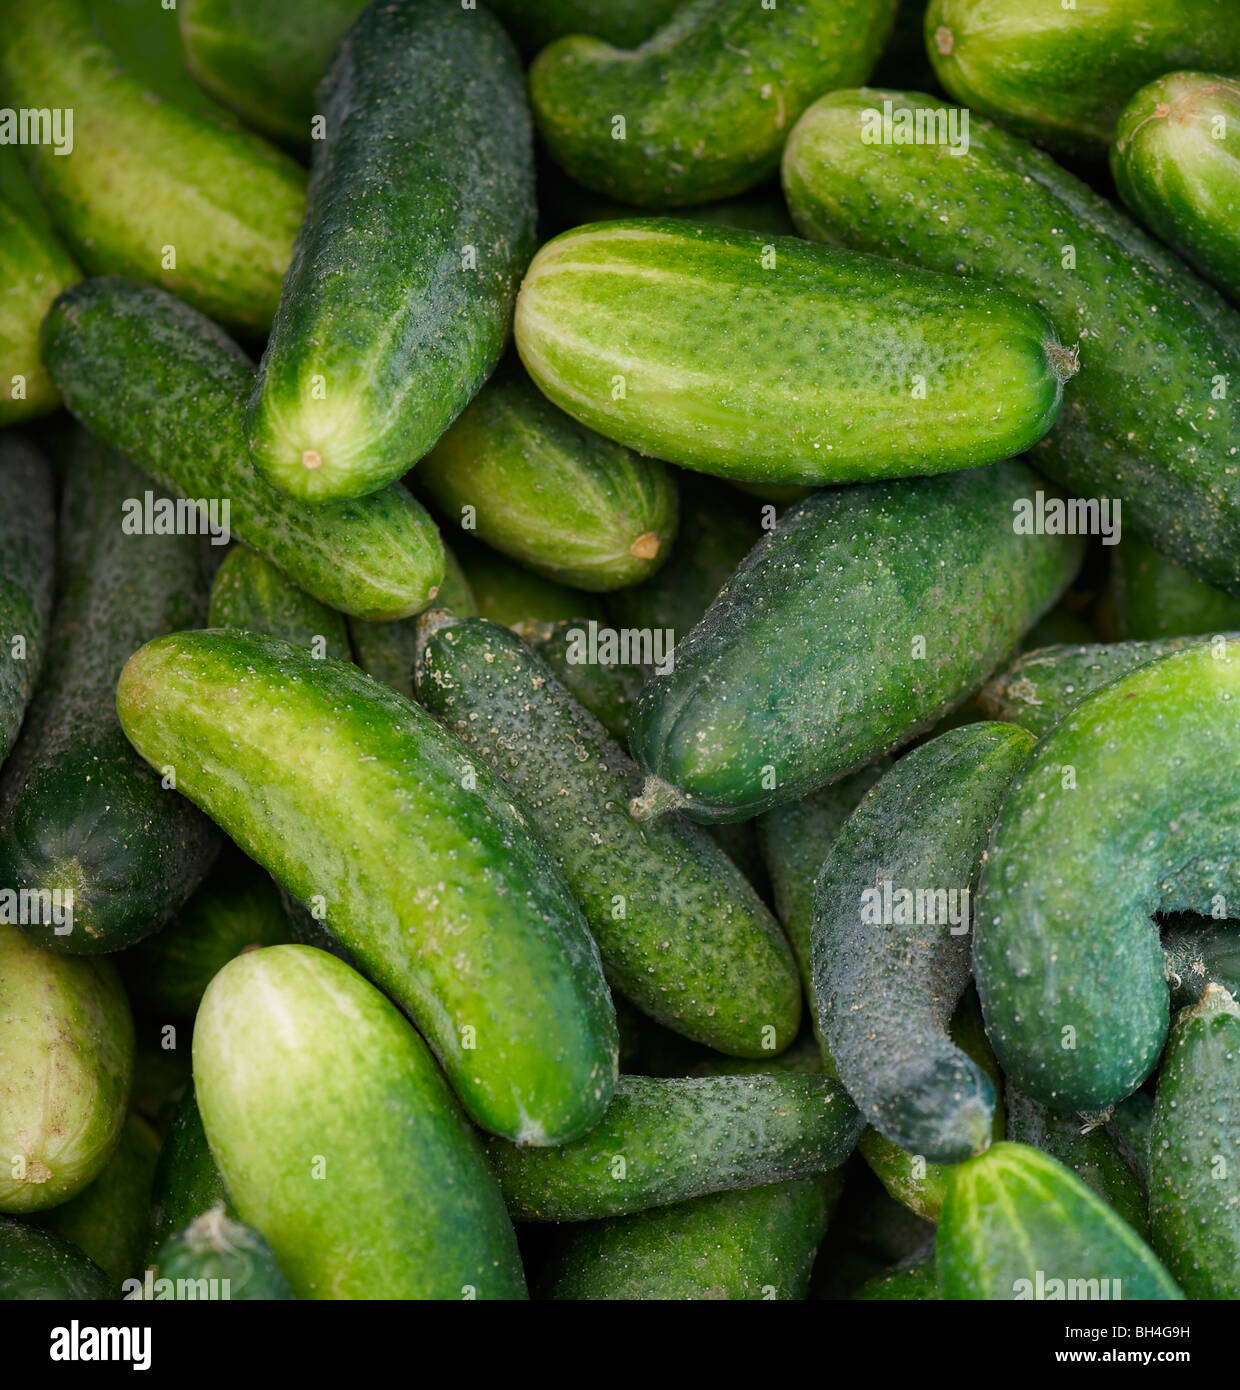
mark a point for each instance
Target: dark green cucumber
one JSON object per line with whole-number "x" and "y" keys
{"x": 250, "y": 594}
{"x": 605, "y": 687}
{"x": 216, "y": 1257}
{"x": 666, "y": 1141}
{"x": 166, "y": 387}
{"x": 1151, "y": 419}
{"x": 1154, "y": 598}
{"x": 187, "y": 1181}
{"x": 912, "y": 1280}
{"x": 512, "y": 595}
{"x": 554, "y": 496}
{"x": 681, "y": 933}
{"x": 67, "y": 1039}
{"x": 857, "y": 623}
{"x": 1195, "y": 1149}
{"x": 536, "y": 23}
{"x": 149, "y": 188}
{"x": 34, "y": 268}
{"x": 1200, "y": 951}
{"x": 718, "y": 349}
{"x": 339, "y": 1139}
{"x": 1098, "y": 815}
{"x": 37, "y": 1265}
{"x": 700, "y": 110}
{"x": 419, "y": 222}
{"x": 1131, "y": 1124}
{"x": 427, "y": 875}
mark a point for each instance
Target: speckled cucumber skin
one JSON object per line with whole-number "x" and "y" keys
{"x": 1195, "y": 1149}
{"x": 145, "y": 174}
{"x": 1142, "y": 420}
{"x": 886, "y": 992}
{"x": 1015, "y": 1212}
{"x": 431, "y": 880}
{"x": 1129, "y": 802}
{"x": 606, "y": 689}
{"x": 1061, "y": 74}
{"x": 213, "y": 1247}
{"x": 37, "y": 1265}
{"x": 1176, "y": 163}
{"x": 251, "y": 594}
{"x": 418, "y": 225}
{"x": 805, "y": 667}
{"x": 34, "y": 268}
{"x": 708, "y": 100}
{"x": 340, "y": 1140}
{"x": 1155, "y": 598}
{"x": 67, "y": 1039}
{"x": 165, "y": 386}
{"x": 724, "y": 350}
{"x": 187, "y": 1180}
{"x": 695, "y": 948}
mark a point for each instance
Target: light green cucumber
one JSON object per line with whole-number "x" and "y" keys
{"x": 251, "y": 594}
{"x": 606, "y": 687}
{"x": 146, "y": 40}
{"x": 511, "y": 594}
{"x": 216, "y": 1257}
{"x": 1155, "y": 598}
{"x": 34, "y": 268}
{"x": 37, "y": 1265}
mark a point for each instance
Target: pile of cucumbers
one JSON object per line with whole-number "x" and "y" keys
{"x": 619, "y": 655}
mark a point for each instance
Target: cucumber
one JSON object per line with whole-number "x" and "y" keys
{"x": 605, "y": 688}
{"x": 430, "y": 880}
{"x": 681, "y": 933}
{"x": 565, "y": 204}
{"x": 146, "y": 40}
{"x": 700, "y": 110}
{"x": 535, "y": 23}
{"x": 1154, "y": 598}
{"x": 1061, "y": 73}
{"x": 250, "y": 594}
{"x": 549, "y": 493}
{"x": 340, "y": 1140}
{"x": 1019, "y": 1225}
{"x": 79, "y": 813}
{"x": 634, "y": 329}
{"x": 67, "y": 1039}
{"x": 666, "y": 1141}
{"x": 1010, "y": 215}
{"x": 187, "y": 1181}
{"x": 1131, "y": 1125}
{"x": 419, "y": 222}
{"x": 37, "y": 1265}
{"x": 163, "y": 385}
{"x": 215, "y": 1257}
{"x": 34, "y": 268}
{"x": 1058, "y": 626}
{"x": 512, "y": 595}
{"x": 1202, "y": 951}
{"x": 1096, "y": 816}
{"x": 912, "y": 1280}
{"x": 1195, "y": 1149}
{"x": 157, "y": 191}
{"x": 857, "y": 623}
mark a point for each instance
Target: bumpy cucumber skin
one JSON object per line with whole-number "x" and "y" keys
{"x": 695, "y": 949}
{"x": 419, "y": 222}
{"x": 34, "y": 268}
{"x": 187, "y": 1181}
{"x": 510, "y": 594}
{"x": 37, "y": 1265}
{"x": 146, "y": 174}
{"x": 1111, "y": 832}
{"x": 606, "y": 689}
{"x": 67, "y": 1038}
{"x": 1195, "y": 1149}
{"x": 216, "y": 1248}
{"x": 163, "y": 385}
{"x": 536, "y": 23}
{"x": 708, "y": 100}
{"x": 1155, "y": 598}
{"x": 1061, "y": 74}
{"x": 549, "y": 493}
{"x": 432, "y": 881}
{"x": 1143, "y": 420}
{"x": 251, "y": 594}
{"x": 939, "y": 373}
{"x": 682, "y": 1138}
{"x": 804, "y": 667}
{"x": 303, "y": 1070}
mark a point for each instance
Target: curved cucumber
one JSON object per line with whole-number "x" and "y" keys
{"x": 163, "y": 385}
{"x": 718, "y": 349}
{"x": 340, "y": 1140}
{"x": 429, "y": 878}
{"x": 1155, "y": 598}
{"x": 607, "y": 689}
{"x": 233, "y": 1259}
{"x": 187, "y": 1181}
{"x": 34, "y": 268}
{"x": 37, "y": 1265}
{"x": 512, "y": 595}
{"x": 250, "y": 594}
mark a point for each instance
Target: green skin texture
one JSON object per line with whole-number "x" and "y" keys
{"x": 803, "y": 372}
{"x": 36, "y": 1265}
{"x": 606, "y": 689}
{"x": 886, "y": 993}
{"x": 163, "y": 385}
{"x": 251, "y": 594}
{"x": 1061, "y": 76}
{"x": 187, "y": 1181}
{"x": 805, "y": 664}
{"x": 428, "y": 152}
{"x": 510, "y": 594}
{"x": 682, "y": 1138}
{"x": 34, "y": 268}
{"x": 1195, "y": 1212}
{"x": 1144, "y": 748}
{"x": 913, "y": 1281}
{"x": 340, "y": 1140}
{"x": 1131, "y": 1124}
{"x": 708, "y": 100}
{"x": 146, "y": 40}
{"x": 1155, "y": 598}
{"x": 536, "y": 23}
{"x": 213, "y": 1246}
{"x": 695, "y": 948}
{"x": 1141, "y": 422}
{"x": 549, "y": 493}
{"x": 67, "y": 1038}
{"x": 1176, "y": 163}
{"x": 1014, "y": 1210}
{"x": 79, "y": 810}
{"x": 436, "y": 887}
{"x": 566, "y": 204}
{"x": 145, "y": 174}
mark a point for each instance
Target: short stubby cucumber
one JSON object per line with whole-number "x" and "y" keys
{"x": 770, "y": 360}
{"x": 700, "y": 110}
{"x": 1098, "y": 815}
{"x": 187, "y": 1181}
{"x": 225, "y": 1256}
{"x": 340, "y": 1140}
{"x": 861, "y": 619}
{"x": 428, "y": 876}
{"x": 1155, "y": 598}
{"x": 607, "y": 686}
{"x": 249, "y": 593}
{"x": 34, "y": 268}
{"x": 681, "y": 932}
{"x": 38, "y": 1265}
{"x": 419, "y": 222}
